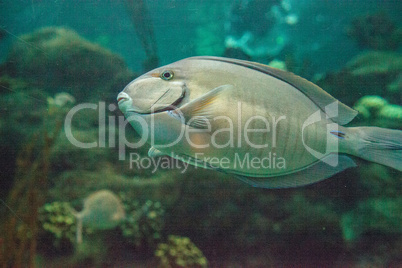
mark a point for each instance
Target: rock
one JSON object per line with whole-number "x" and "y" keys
{"x": 58, "y": 59}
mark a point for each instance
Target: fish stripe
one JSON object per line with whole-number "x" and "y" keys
{"x": 316, "y": 94}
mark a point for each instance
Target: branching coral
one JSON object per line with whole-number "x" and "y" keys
{"x": 143, "y": 224}
{"x": 180, "y": 252}
{"x": 57, "y": 220}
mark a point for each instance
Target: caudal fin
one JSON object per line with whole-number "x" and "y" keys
{"x": 380, "y": 145}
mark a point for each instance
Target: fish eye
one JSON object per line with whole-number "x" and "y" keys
{"x": 167, "y": 75}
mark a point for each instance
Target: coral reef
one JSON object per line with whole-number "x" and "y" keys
{"x": 66, "y": 62}
{"x": 222, "y": 215}
{"x": 180, "y": 252}
{"x": 375, "y": 31}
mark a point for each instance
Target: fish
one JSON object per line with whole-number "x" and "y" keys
{"x": 267, "y": 127}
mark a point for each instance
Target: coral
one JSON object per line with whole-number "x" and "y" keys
{"x": 278, "y": 64}
{"x": 102, "y": 210}
{"x": 369, "y": 106}
{"x": 65, "y": 61}
{"x": 375, "y": 31}
{"x": 60, "y": 100}
{"x": 375, "y": 63}
{"x": 382, "y": 215}
{"x": 379, "y": 112}
{"x": 180, "y": 252}
{"x": 57, "y": 220}
{"x": 144, "y": 224}
{"x": 391, "y": 113}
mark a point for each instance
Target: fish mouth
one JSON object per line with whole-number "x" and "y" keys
{"x": 123, "y": 97}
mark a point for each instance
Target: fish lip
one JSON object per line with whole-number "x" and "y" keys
{"x": 121, "y": 97}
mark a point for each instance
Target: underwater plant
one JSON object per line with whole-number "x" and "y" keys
{"x": 180, "y": 252}
{"x": 20, "y": 229}
{"x": 143, "y": 225}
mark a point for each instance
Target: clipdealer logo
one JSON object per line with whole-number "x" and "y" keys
{"x": 237, "y": 136}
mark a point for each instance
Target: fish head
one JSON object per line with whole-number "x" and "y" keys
{"x": 159, "y": 90}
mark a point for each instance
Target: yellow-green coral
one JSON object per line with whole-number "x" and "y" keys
{"x": 391, "y": 112}
{"x": 56, "y": 219}
{"x": 143, "y": 224}
{"x": 375, "y": 107}
{"x": 278, "y": 64}
{"x": 180, "y": 252}
{"x": 369, "y": 106}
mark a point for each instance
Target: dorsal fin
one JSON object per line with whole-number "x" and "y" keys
{"x": 316, "y": 94}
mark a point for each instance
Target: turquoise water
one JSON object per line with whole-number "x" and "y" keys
{"x": 63, "y": 138}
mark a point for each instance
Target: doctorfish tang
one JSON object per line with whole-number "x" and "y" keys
{"x": 223, "y": 114}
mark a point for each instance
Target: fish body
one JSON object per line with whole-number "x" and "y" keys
{"x": 203, "y": 110}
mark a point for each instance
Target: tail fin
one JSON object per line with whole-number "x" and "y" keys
{"x": 380, "y": 145}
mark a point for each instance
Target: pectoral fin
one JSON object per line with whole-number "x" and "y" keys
{"x": 155, "y": 152}
{"x": 198, "y": 112}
